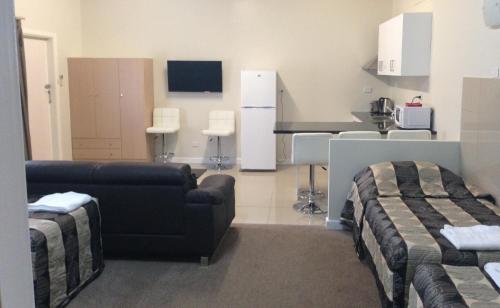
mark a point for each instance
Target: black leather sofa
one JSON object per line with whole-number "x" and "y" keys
{"x": 148, "y": 210}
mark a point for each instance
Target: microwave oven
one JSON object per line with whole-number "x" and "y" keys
{"x": 413, "y": 117}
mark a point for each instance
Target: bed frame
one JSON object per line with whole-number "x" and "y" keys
{"x": 348, "y": 157}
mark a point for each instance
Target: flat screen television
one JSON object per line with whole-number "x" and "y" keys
{"x": 194, "y": 76}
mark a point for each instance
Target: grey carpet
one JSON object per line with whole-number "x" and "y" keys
{"x": 256, "y": 266}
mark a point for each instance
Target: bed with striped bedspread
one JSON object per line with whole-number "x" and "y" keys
{"x": 397, "y": 210}
{"x": 66, "y": 252}
{"x": 453, "y": 287}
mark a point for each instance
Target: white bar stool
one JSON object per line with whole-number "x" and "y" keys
{"x": 165, "y": 121}
{"x": 409, "y": 135}
{"x": 342, "y": 135}
{"x": 310, "y": 149}
{"x": 221, "y": 123}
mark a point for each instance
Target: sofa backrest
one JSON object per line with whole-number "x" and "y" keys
{"x": 134, "y": 198}
{"x": 59, "y": 171}
{"x": 145, "y": 174}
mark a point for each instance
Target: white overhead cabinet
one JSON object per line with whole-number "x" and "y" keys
{"x": 404, "y": 46}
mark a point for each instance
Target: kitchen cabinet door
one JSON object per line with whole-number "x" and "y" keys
{"x": 405, "y": 45}
{"x": 383, "y": 56}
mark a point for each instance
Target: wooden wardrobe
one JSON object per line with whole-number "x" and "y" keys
{"x": 111, "y": 104}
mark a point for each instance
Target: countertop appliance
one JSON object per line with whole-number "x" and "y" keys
{"x": 258, "y": 116}
{"x": 383, "y": 105}
{"x": 413, "y": 117}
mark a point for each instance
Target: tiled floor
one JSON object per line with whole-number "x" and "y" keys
{"x": 268, "y": 197}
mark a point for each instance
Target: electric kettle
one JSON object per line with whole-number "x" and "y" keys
{"x": 383, "y": 105}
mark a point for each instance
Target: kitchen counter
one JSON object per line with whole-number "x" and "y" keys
{"x": 321, "y": 127}
{"x": 365, "y": 121}
{"x": 384, "y": 123}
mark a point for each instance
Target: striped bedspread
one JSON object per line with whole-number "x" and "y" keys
{"x": 66, "y": 253}
{"x": 398, "y": 209}
{"x": 452, "y": 286}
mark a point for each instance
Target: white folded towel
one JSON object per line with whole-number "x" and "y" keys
{"x": 60, "y": 202}
{"x": 493, "y": 269}
{"x": 479, "y": 237}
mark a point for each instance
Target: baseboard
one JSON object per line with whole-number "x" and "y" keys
{"x": 284, "y": 162}
{"x": 189, "y": 160}
{"x": 334, "y": 224}
{"x": 199, "y": 160}
{"x": 206, "y": 161}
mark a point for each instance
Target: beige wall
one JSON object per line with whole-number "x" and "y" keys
{"x": 317, "y": 47}
{"x": 62, "y": 18}
{"x": 462, "y": 46}
{"x": 399, "y": 6}
{"x": 481, "y": 133}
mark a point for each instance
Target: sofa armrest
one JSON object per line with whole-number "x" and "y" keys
{"x": 214, "y": 189}
{"x": 210, "y": 211}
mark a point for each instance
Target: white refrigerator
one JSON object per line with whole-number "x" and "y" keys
{"x": 258, "y": 116}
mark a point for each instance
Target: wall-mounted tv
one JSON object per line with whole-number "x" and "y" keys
{"x": 194, "y": 76}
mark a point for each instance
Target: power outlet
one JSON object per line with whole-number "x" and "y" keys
{"x": 195, "y": 144}
{"x": 367, "y": 90}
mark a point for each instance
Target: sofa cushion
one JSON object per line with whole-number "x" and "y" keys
{"x": 142, "y": 209}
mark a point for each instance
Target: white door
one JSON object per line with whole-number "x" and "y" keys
{"x": 258, "y": 142}
{"x": 39, "y": 108}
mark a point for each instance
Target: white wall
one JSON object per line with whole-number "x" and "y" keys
{"x": 317, "y": 47}
{"x": 462, "y": 46}
{"x": 62, "y": 18}
{"x": 399, "y": 6}
{"x": 16, "y": 280}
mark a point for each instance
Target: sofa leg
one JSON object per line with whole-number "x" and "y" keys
{"x": 204, "y": 261}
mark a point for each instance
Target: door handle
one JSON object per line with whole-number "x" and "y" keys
{"x": 48, "y": 88}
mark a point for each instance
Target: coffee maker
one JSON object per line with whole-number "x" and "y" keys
{"x": 382, "y": 106}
